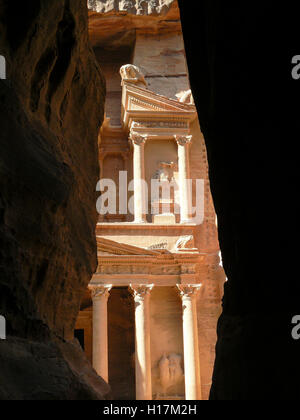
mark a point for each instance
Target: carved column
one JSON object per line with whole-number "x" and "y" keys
{"x": 183, "y": 164}
{"x": 138, "y": 143}
{"x": 100, "y": 295}
{"x": 141, "y": 295}
{"x": 188, "y": 295}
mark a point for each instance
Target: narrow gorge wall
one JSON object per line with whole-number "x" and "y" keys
{"x": 51, "y": 108}
{"x": 240, "y": 69}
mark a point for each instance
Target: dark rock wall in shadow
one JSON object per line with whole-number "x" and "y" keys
{"x": 51, "y": 108}
{"x": 240, "y": 67}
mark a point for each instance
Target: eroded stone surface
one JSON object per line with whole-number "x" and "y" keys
{"x": 114, "y": 23}
{"x": 33, "y": 370}
{"x": 135, "y": 7}
{"x": 51, "y": 108}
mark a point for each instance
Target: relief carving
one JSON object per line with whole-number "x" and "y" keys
{"x": 128, "y": 6}
{"x": 185, "y": 242}
{"x": 166, "y": 171}
{"x": 137, "y": 138}
{"x": 171, "y": 372}
{"x": 132, "y": 74}
{"x": 183, "y": 140}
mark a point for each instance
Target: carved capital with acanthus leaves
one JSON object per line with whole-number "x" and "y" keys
{"x": 99, "y": 292}
{"x": 141, "y": 291}
{"x": 137, "y": 139}
{"x": 183, "y": 140}
{"x": 188, "y": 291}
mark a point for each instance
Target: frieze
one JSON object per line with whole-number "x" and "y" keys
{"x": 160, "y": 124}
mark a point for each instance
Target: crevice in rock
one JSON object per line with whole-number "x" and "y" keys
{"x": 65, "y": 42}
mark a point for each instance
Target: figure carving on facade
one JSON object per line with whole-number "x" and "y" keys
{"x": 132, "y": 74}
{"x": 142, "y": 7}
{"x": 153, "y": 6}
{"x": 185, "y": 242}
{"x": 186, "y": 97}
{"x": 165, "y": 173}
{"x": 128, "y": 6}
{"x": 170, "y": 370}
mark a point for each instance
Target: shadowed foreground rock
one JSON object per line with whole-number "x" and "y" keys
{"x": 248, "y": 108}
{"x": 51, "y": 108}
{"x": 33, "y": 370}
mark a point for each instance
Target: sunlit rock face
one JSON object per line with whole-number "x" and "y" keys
{"x": 51, "y": 109}
{"x": 113, "y": 23}
{"x": 135, "y": 7}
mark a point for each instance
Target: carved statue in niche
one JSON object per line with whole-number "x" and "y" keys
{"x": 171, "y": 372}
{"x": 132, "y": 74}
{"x": 186, "y": 97}
{"x": 164, "y": 200}
{"x": 166, "y": 171}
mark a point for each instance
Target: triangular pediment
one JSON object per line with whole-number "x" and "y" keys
{"x": 107, "y": 247}
{"x": 136, "y": 98}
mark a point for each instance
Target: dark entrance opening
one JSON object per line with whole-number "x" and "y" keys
{"x": 79, "y": 334}
{"x": 121, "y": 344}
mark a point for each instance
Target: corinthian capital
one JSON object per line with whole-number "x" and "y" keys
{"x": 141, "y": 291}
{"x": 188, "y": 290}
{"x": 183, "y": 140}
{"x": 100, "y": 291}
{"x": 137, "y": 138}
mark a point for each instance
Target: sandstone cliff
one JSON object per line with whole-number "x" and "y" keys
{"x": 135, "y": 7}
{"x": 123, "y": 18}
{"x": 51, "y": 109}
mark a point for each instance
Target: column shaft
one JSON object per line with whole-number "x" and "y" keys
{"x": 190, "y": 342}
{"x": 139, "y": 177}
{"x": 142, "y": 342}
{"x": 184, "y": 175}
{"x": 100, "y": 296}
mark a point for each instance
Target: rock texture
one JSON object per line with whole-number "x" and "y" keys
{"x": 123, "y": 18}
{"x": 134, "y": 7}
{"x": 247, "y": 104}
{"x": 33, "y": 370}
{"x": 51, "y": 109}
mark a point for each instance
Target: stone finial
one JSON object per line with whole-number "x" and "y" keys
{"x": 186, "y": 97}
{"x": 132, "y": 74}
{"x": 185, "y": 242}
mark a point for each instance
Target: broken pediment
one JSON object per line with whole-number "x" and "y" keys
{"x": 108, "y": 247}
{"x": 141, "y": 107}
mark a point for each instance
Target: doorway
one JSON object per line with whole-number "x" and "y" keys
{"x": 121, "y": 344}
